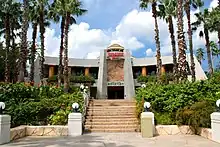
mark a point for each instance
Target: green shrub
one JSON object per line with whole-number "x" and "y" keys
{"x": 166, "y": 100}
{"x": 142, "y": 79}
{"x": 29, "y": 105}
{"x": 164, "y": 118}
{"x": 196, "y": 116}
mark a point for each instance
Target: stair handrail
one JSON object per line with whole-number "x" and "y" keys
{"x": 85, "y": 105}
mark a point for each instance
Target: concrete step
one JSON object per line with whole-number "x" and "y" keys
{"x": 111, "y": 104}
{"x": 111, "y": 107}
{"x": 111, "y": 123}
{"x": 111, "y": 114}
{"x": 111, "y": 111}
{"x": 117, "y": 100}
{"x": 94, "y": 130}
{"x": 118, "y": 126}
{"x": 111, "y": 117}
{"x": 111, "y": 120}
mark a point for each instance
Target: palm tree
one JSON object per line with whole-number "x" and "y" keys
{"x": 182, "y": 66}
{"x": 43, "y": 7}
{"x": 214, "y": 22}
{"x": 38, "y": 16}
{"x": 195, "y": 4}
{"x": 219, "y": 27}
{"x": 203, "y": 19}
{"x": 67, "y": 8}
{"x": 57, "y": 11}
{"x": 200, "y": 55}
{"x": 34, "y": 18}
{"x": 23, "y": 51}
{"x": 6, "y": 20}
{"x": 144, "y": 4}
{"x": 167, "y": 10}
{"x": 10, "y": 15}
{"x": 215, "y": 51}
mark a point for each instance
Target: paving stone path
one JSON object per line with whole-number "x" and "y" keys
{"x": 114, "y": 140}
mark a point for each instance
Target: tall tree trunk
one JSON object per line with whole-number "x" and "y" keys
{"x": 219, "y": 29}
{"x": 173, "y": 43}
{"x": 66, "y": 30}
{"x": 7, "y": 38}
{"x": 157, "y": 39}
{"x": 42, "y": 30}
{"x": 60, "y": 69}
{"x": 23, "y": 51}
{"x": 200, "y": 61}
{"x": 182, "y": 66}
{"x": 33, "y": 51}
{"x": 206, "y": 32}
{"x": 14, "y": 55}
{"x": 187, "y": 8}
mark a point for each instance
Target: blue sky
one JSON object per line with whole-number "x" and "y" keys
{"x": 116, "y": 21}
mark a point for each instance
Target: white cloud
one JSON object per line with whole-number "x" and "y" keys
{"x": 85, "y": 42}
{"x": 150, "y": 52}
{"x": 214, "y": 4}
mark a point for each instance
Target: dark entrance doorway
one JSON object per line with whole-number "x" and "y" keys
{"x": 116, "y": 92}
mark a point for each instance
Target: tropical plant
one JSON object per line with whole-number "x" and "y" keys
{"x": 57, "y": 11}
{"x": 42, "y": 6}
{"x": 144, "y": 5}
{"x": 200, "y": 55}
{"x": 203, "y": 19}
{"x": 67, "y": 8}
{"x": 167, "y": 11}
{"x": 214, "y": 21}
{"x": 10, "y": 22}
{"x": 195, "y": 4}
{"x": 215, "y": 51}
{"x": 34, "y": 18}
{"x": 182, "y": 63}
{"x": 23, "y": 50}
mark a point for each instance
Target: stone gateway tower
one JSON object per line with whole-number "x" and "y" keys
{"x": 115, "y": 74}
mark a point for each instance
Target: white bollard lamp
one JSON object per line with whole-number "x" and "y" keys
{"x": 75, "y": 107}
{"x": 218, "y": 105}
{"x": 147, "y": 106}
{"x": 2, "y": 107}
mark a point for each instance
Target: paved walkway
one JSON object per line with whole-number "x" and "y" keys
{"x": 114, "y": 140}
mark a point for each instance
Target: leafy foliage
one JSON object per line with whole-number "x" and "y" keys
{"x": 74, "y": 79}
{"x": 196, "y": 115}
{"x": 36, "y": 106}
{"x": 167, "y": 100}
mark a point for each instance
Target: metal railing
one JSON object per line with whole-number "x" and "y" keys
{"x": 85, "y": 106}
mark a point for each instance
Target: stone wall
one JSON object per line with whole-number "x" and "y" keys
{"x": 115, "y": 70}
{"x": 181, "y": 130}
{"x": 22, "y": 131}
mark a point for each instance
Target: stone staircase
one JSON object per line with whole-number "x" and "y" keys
{"x": 111, "y": 116}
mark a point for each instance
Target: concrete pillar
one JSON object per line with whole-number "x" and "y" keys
{"x": 75, "y": 124}
{"x": 51, "y": 71}
{"x": 129, "y": 90}
{"x": 215, "y": 125}
{"x": 102, "y": 77}
{"x": 147, "y": 124}
{"x": 163, "y": 69}
{"x": 5, "y": 123}
{"x": 87, "y": 71}
{"x": 144, "y": 71}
